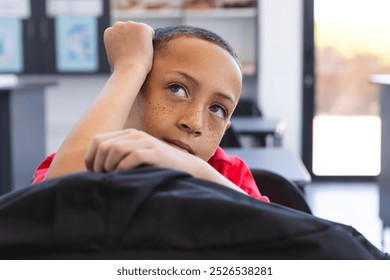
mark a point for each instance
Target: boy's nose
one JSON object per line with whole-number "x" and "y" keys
{"x": 192, "y": 122}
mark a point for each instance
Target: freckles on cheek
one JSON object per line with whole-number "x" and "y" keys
{"x": 159, "y": 113}
{"x": 214, "y": 135}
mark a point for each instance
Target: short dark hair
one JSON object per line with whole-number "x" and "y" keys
{"x": 163, "y": 35}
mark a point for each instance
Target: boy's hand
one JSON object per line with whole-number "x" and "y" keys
{"x": 129, "y": 43}
{"x": 125, "y": 149}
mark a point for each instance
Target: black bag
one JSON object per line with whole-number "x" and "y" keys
{"x": 153, "y": 213}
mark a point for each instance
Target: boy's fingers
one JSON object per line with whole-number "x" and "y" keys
{"x": 134, "y": 144}
{"x": 89, "y": 157}
{"x": 149, "y": 27}
{"x": 136, "y": 158}
{"x": 108, "y": 149}
{"x": 120, "y": 149}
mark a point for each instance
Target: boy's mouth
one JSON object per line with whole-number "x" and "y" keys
{"x": 180, "y": 145}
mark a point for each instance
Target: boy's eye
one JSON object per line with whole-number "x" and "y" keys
{"x": 177, "y": 90}
{"x": 219, "y": 110}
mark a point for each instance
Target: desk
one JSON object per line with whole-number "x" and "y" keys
{"x": 278, "y": 160}
{"x": 259, "y": 128}
{"x": 22, "y": 126}
{"x": 384, "y": 176}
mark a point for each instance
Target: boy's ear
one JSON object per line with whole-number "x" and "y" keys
{"x": 228, "y": 125}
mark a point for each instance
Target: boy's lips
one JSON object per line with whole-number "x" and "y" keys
{"x": 179, "y": 144}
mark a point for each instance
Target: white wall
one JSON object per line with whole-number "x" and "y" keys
{"x": 281, "y": 65}
{"x": 66, "y": 102}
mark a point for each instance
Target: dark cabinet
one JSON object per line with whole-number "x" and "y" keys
{"x": 384, "y": 176}
{"x": 22, "y": 137}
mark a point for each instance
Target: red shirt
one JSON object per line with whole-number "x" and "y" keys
{"x": 232, "y": 167}
{"x": 235, "y": 169}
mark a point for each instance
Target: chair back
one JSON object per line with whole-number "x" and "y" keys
{"x": 247, "y": 107}
{"x": 230, "y": 139}
{"x": 280, "y": 190}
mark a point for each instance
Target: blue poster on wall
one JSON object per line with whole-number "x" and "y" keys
{"x": 76, "y": 44}
{"x": 11, "y": 45}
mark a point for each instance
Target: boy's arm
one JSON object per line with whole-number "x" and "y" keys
{"x": 130, "y": 53}
{"x": 129, "y": 148}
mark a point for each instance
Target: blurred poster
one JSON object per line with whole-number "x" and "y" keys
{"x": 76, "y": 44}
{"x": 11, "y": 45}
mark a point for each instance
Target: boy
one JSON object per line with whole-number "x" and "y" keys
{"x": 167, "y": 103}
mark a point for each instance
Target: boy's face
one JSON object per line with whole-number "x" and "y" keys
{"x": 189, "y": 96}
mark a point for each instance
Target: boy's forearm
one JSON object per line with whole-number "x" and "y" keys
{"x": 205, "y": 171}
{"x": 109, "y": 112}
{"x": 219, "y": 178}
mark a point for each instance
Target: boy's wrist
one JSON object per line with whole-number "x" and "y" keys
{"x": 133, "y": 68}
{"x": 129, "y": 78}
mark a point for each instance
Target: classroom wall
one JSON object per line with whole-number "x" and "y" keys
{"x": 279, "y": 78}
{"x": 280, "y": 72}
{"x": 66, "y": 102}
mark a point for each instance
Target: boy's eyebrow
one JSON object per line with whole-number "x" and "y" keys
{"x": 186, "y": 76}
{"x": 194, "y": 81}
{"x": 227, "y": 98}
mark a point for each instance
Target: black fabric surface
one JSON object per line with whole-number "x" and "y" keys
{"x": 152, "y": 213}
